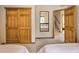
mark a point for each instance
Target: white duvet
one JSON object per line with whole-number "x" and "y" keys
{"x": 13, "y": 49}
{"x": 60, "y": 48}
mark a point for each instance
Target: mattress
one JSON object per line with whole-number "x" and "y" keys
{"x": 13, "y": 49}
{"x": 60, "y": 48}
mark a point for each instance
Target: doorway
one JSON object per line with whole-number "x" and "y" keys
{"x": 65, "y": 24}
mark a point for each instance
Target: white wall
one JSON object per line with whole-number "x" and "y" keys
{"x": 49, "y": 8}
{"x": 3, "y": 22}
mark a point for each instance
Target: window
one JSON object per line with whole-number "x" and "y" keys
{"x": 44, "y": 21}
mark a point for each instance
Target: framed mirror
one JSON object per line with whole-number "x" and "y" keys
{"x": 44, "y": 21}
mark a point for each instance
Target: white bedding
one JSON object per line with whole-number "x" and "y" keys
{"x": 60, "y": 48}
{"x": 13, "y": 49}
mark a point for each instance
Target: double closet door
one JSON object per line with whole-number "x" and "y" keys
{"x": 18, "y": 25}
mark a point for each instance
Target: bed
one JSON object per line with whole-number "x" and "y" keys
{"x": 13, "y": 49}
{"x": 60, "y": 48}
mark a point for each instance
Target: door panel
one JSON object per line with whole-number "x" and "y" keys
{"x": 70, "y": 25}
{"x": 71, "y": 20}
{"x": 11, "y": 29}
{"x": 66, "y": 20}
{"x": 24, "y": 36}
{"x": 11, "y": 36}
{"x": 24, "y": 25}
{"x": 12, "y": 22}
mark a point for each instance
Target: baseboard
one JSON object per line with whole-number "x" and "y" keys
{"x": 44, "y": 37}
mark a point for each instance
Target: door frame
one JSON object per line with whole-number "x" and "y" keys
{"x": 54, "y": 21}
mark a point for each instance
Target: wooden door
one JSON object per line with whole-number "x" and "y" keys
{"x": 11, "y": 25}
{"x": 70, "y": 25}
{"x": 18, "y": 25}
{"x": 24, "y": 25}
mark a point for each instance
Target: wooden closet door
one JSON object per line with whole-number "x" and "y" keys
{"x": 70, "y": 25}
{"x": 11, "y": 25}
{"x": 24, "y": 25}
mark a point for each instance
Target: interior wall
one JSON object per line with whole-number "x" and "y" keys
{"x": 49, "y": 8}
{"x": 77, "y": 9}
{"x": 43, "y": 34}
{"x": 2, "y": 25}
{"x": 35, "y": 20}
{"x": 3, "y": 21}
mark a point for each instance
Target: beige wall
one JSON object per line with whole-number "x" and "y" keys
{"x": 3, "y": 22}
{"x": 77, "y": 23}
{"x": 49, "y": 8}
{"x": 2, "y": 25}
